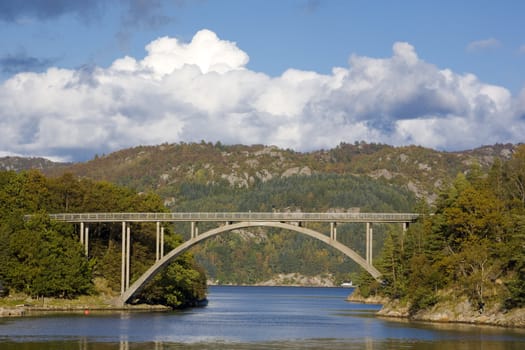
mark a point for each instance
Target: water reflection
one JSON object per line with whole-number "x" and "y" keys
{"x": 83, "y": 344}
{"x": 368, "y": 344}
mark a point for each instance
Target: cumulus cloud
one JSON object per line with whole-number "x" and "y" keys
{"x": 203, "y": 90}
{"x": 205, "y": 51}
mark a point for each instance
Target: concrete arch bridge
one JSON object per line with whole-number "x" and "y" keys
{"x": 226, "y": 222}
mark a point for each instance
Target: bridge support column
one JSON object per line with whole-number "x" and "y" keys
{"x": 86, "y": 242}
{"x": 194, "y": 229}
{"x": 333, "y": 231}
{"x": 84, "y": 237}
{"x": 369, "y": 236}
{"x": 162, "y": 242}
{"x": 128, "y": 245}
{"x": 404, "y": 227}
{"x": 157, "y": 248}
{"x": 159, "y": 242}
{"x": 123, "y": 261}
{"x": 124, "y": 284}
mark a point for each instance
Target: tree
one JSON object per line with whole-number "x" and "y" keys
{"x": 44, "y": 258}
{"x": 392, "y": 265}
{"x": 516, "y": 265}
{"x": 514, "y": 174}
{"x": 182, "y": 283}
{"x": 477, "y": 268}
{"x": 471, "y": 246}
{"x": 48, "y": 262}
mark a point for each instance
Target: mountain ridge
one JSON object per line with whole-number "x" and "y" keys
{"x": 156, "y": 168}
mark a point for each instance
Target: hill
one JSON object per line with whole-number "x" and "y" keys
{"x": 159, "y": 168}
{"x": 24, "y": 163}
{"x": 215, "y": 177}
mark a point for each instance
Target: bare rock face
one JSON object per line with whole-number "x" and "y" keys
{"x": 24, "y": 163}
{"x": 457, "y": 311}
{"x": 12, "y": 312}
{"x": 299, "y": 280}
{"x": 384, "y": 173}
{"x": 297, "y": 171}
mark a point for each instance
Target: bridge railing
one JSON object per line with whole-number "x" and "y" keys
{"x": 234, "y": 217}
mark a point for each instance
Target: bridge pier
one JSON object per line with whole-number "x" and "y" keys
{"x": 123, "y": 260}
{"x": 369, "y": 239}
{"x": 194, "y": 230}
{"x": 126, "y": 236}
{"x": 128, "y": 249}
{"x": 84, "y": 237}
{"x": 86, "y": 242}
{"x": 159, "y": 242}
{"x": 162, "y": 242}
{"x": 333, "y": 231}
{"x": 157, "y": 248}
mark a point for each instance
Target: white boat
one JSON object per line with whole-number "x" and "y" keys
{"x": 347, "y": 284}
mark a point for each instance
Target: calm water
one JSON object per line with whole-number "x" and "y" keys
{"x": 251, "y": 318}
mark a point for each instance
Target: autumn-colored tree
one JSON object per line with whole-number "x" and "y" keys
{"x": 471, "y": 245}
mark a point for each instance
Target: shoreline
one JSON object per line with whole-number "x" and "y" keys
{"x": 21, "y": 311}
{"x": 459, "y": 312}
{"x": 19, "y": 305}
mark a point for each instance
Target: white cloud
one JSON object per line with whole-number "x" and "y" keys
{"x": 202, "y": 90}
{"x": 205, "y": 51}
{"x": 483, "y": 44}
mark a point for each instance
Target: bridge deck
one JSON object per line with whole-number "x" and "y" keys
{"x": 234, "y": 217}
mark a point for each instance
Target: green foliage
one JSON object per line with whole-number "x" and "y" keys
{"x": 43, "y": 258}
{"x": 37, "y": 257}
{"x": 471, "y": 246}
{"x": 256, "y": 255}
{"x": 181, "y": 284}
{"x": 216, "y": 177}
{"x": 53, "y": 264}
{"x": 392, "y": 263}
{"x": 516, "y": 264}
{"x": 368, "y": 286}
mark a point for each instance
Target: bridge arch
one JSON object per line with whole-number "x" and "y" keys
{"x": 164, "y": 261}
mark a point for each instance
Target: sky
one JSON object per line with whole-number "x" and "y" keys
{"x": 86, "y": 78}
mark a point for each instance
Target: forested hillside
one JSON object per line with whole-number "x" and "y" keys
{"x": 257, "y": 255}
{"x": 215, "y": 177}
{"x": 165, "y": 167}
{"x": 44, "y": 259}
{"x": 472, "y": 247}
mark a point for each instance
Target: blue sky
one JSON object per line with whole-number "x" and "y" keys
{"x": 459, "y": 65}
